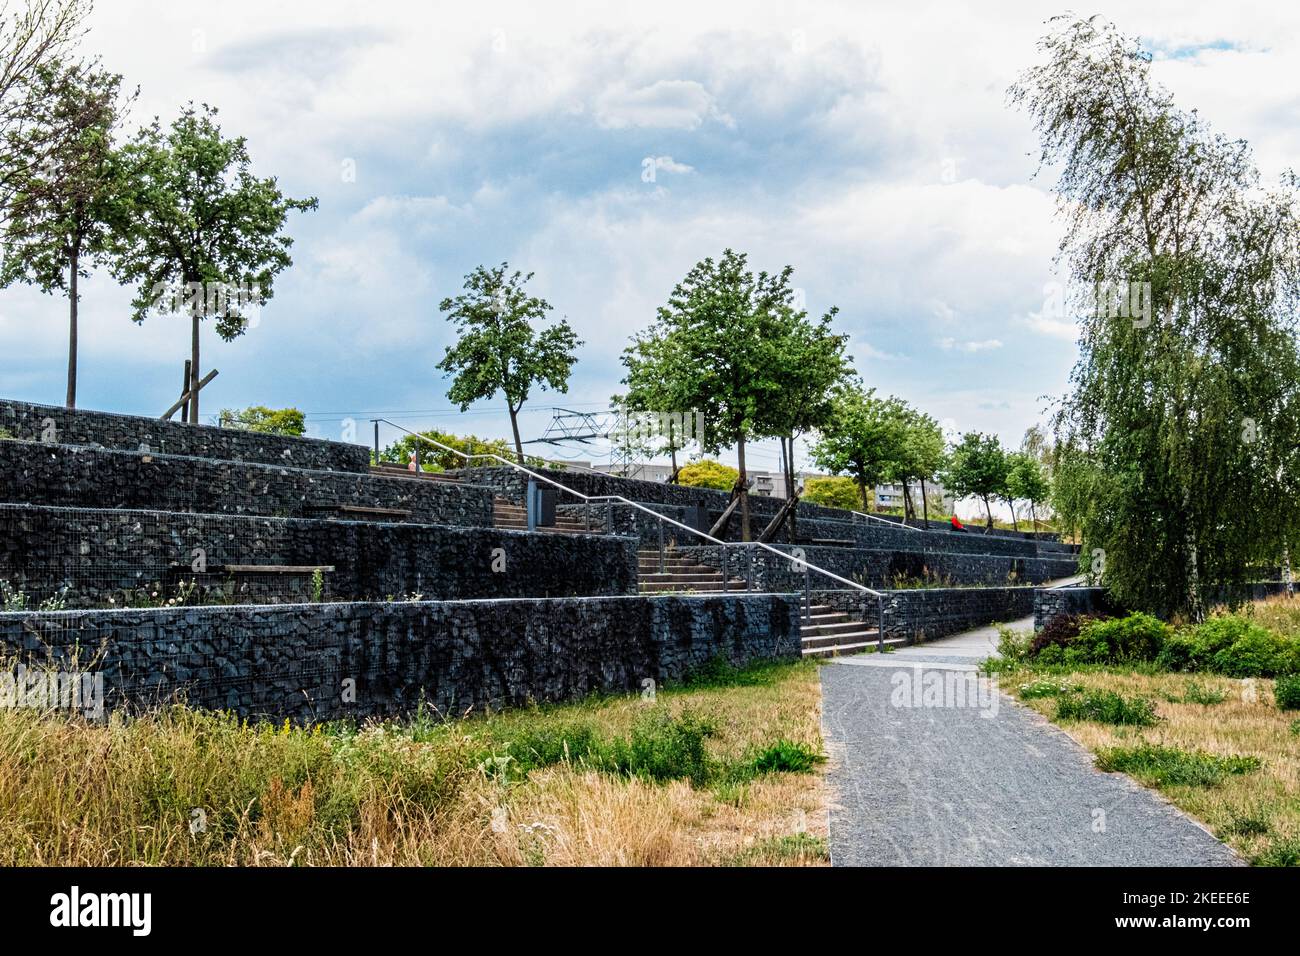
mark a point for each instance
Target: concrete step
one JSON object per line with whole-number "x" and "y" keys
{"x": 832, "y": 627}
{"x": 861, "y": 635}
{"x": 702, "y": 587}
{"x": 841, "y": 650}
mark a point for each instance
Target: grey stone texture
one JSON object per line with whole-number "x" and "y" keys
{"x": 82, "y": 477}
{"x": 92, "y": 556}
{"x": 356, "y": 660}
{"x": 28, "y": 422}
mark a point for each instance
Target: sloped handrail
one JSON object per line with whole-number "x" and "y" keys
{"x": 662, "y": 519}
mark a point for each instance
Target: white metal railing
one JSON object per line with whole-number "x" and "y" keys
{"x": 610, "y": 500}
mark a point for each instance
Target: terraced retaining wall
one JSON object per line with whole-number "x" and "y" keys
{"x": 88, "y": 557}
{"x": 324, "y": 661}
{"x": 57, "y": 425}
{"x": 36, "y": 473}
{"x": 1050, "y": 602}
{"x": 882, "y": 568}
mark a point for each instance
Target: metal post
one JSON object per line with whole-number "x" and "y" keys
{"x": 586, "y": 514}
{"x": 723, "y": 561}
{"x": 661, "y": 545}
{"x": 880, "y": 632}
{"x": 807, "y": 596}
{"x": 376, "y": 421}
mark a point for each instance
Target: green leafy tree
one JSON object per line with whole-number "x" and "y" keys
{"x": 433, "y": 458}
{"x": 806, "y": 363}
{"x": 1026, "y": 482}
{"x": 33, "y": 37}
{"x": 206, "y": 235}
{"x": 498, "y": 346}
{"x": 977, "y": 466}
{"x": 708, "y": 474}
{"x": 863, "y": 438}
{"x": 920, "y": 455}
{"x": 63, "y": 213}
{"x": 259, "y": 418}
{"x": 1180, "y": 431}
{"x": 833, "y": 492}
{"x": 714, "y": 338}
{"x": 659, "y": 381}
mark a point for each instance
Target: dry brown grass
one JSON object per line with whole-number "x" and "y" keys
{"x": 1245, "y": 723}
{"x": 185, "y": 788}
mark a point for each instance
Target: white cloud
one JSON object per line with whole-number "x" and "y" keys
{"x": 984, "y": 345}
{"x": 665, "y": 104}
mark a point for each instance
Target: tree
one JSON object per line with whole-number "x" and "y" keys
{"x": 920, "y": 456}
{"x": 206, "y": 235}
{"x": 833, "y": 492}
{"x": 659, "y": 383}
{"x": 498, "y": 349}
{"x": 806, "y": 363}
{"x": 1026, "y": 482}
{"x": 714, "y": 338}
{"x": 30, "y": 40}
{"x": 433, "y": 458}
{"x": 1180, "y": 431}
{"x": 977, "y": 466}
{"x": 708, "y": 474}
{"x": 864, "y": 438}
{"x": 63, "y": 215}
{"x": 259, "y": 418}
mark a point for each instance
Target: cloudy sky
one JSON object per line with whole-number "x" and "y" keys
{"x": 868, "y": 145}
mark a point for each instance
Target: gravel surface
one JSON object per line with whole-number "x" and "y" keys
{"x": 995, "y": 785}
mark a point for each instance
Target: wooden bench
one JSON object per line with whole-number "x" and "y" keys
{"x": 272, "y": 568}
{"x": 361, "y": 510}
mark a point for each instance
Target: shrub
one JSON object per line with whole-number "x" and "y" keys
{"x": 662, "y": 747}
{"x": 1059, "y": 632}
{"x": 1107, "y": 707}
{"x": 1159, "y": 766}
{"x": 1013, "y": 645}
{"x": 1138, "y": 637}
{"x": 1286, "y": 692}
{"x": 835, "y": 492}
{"x": 708, "y": 474}
{"x": 1232, "y": 645}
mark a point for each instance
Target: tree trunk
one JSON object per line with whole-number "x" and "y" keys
{"x": 988, "y": 508}
{"x": 744, "y": 490}
{"x": 194, "y": 366}
{"x": 672, "y": 449}
{"x": 925, "y": 504}
{"x": 1014, "y": 526}
{"x": 790, "y": 489}
{"x": 1033, "y": 516}
{"x": 71, "y": 401}
{"x": 909, "y": 510}
{"x": 862, "y": 489}
{"x": 514, "y": 427}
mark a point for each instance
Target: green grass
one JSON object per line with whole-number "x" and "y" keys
{"x": 784, "y": 850}
{"x": 1158, "y": 766}
{"x": 1279, "y": 853}
{"x": 1046, "y": 687}
{"x": 1197, "y": 693}
{"x": 1107, "y": 707}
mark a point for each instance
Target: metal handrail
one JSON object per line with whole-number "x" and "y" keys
{"x": 662, "y": 519}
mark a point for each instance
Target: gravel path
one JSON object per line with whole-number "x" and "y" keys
{"x": 986, "y": 782}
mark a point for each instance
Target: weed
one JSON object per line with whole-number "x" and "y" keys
{"x": 1159, "y": 766}
{"x": 1107, "y": 707}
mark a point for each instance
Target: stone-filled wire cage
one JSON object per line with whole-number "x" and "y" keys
{"x": 52, "y": 559}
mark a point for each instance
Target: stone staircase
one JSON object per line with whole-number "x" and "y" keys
{"x": 830, "y": 633}
{"x": 680, "y": 574}
{"x": 512, "y": 517}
